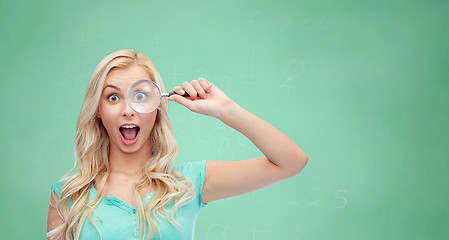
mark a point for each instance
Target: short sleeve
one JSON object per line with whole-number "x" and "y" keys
{"x": 57, "y": 186}
{"x": 195, "y": 172}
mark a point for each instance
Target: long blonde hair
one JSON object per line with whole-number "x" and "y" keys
{"x": 91, "y": 153}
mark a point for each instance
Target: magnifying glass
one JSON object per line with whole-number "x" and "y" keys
{"x": 144, "y": 96}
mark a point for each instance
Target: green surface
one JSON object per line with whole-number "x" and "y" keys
{"x": 360, "y": 86}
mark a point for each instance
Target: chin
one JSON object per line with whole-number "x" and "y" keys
{"x": 134, "y": 148}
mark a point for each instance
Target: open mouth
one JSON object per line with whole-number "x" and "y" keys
{"x": 129, "y": 133}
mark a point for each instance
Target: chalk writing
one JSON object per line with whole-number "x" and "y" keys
{"x": 286, "y": 22}
{"x": 306, "y": 23}
{"x": 319, "y": 200}
{"x": 322, "y": 23}
{"x": 175, "y": 74}
{"x": 255, "y": 231}
{"x": 225, "y": 84}
{"x": 318, "y": 196}
{"x": 292, "y": 71}
{"x": 216, "y": 232}
{"x": 340, "y": 201}
{"x": 201, "y": 73}
{"x": 224, "y": 143}
{"x": 253, "y": 16}
{"x": 204, "y": 148}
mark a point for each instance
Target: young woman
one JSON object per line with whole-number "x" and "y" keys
{"x": 124, "y": 184}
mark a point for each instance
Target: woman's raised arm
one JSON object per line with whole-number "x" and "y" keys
{"x": 282, "y": 157}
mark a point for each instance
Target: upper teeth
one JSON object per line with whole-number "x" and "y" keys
{"x": 129, "y": 126}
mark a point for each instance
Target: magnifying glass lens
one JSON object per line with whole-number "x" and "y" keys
{"x": 144, "y": 96}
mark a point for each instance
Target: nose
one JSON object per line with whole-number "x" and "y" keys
{"x": 127, "y": 110}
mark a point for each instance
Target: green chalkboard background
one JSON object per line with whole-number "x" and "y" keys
{"x": 361, "y": 86}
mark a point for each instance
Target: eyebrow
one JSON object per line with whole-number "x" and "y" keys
{"x": 112, "y": 86}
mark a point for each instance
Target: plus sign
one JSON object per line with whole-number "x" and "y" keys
{"x": 254, "y": 231}
{"x": 174, "y": 76}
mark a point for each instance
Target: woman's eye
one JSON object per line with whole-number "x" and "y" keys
{"x": 140, "y": 96}
{"x": 113, "y": 98}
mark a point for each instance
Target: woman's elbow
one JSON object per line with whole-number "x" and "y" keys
{"x": 298, "y": 163}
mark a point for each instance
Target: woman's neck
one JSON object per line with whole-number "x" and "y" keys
{"x": 130, "y": 164}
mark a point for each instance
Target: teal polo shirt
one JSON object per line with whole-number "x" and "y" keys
{"x": 119, "y": 219}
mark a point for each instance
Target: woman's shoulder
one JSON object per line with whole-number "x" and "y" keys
{"x": 57, "y": 185}
{"x": 192, "y": 170}
{"x": 195, "y": 172}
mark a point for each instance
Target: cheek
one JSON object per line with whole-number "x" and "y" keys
{"x": 149, "y": 121}
{"x": 107, "y": 110}
{"x": 107, "y": 123}
{"x": 107, "y": 117}
{"x": 152, "y": 118}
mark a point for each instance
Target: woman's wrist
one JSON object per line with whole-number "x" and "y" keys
{"x": 230, "y": 112}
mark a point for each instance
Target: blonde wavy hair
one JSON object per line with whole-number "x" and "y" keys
{"x": 91, "y": 153}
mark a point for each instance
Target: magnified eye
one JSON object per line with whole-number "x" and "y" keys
{"x": 143, "y": 96}
{"x": 140, "y": 96}
{"x": 113, "y": 98}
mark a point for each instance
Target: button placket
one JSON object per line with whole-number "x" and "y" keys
{"x": 135, "y": 225}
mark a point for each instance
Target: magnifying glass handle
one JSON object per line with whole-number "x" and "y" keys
{"x": 173, "y": 93}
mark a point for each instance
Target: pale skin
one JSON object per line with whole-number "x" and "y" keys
{"x": 281, "y": 159}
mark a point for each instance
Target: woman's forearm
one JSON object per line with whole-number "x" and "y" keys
{"x": 275, "y": 145}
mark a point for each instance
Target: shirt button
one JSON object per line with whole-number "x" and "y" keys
{"x": 149, "y": 197}
{"x": 134, "y": 211}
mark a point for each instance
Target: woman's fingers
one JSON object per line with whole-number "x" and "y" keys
{"x": 206, "y": 85}
{"x": 199, "y": 89}
{"x": 204, "y": 98}
{"x": 190, "y": 90}
{"x": 178, "y": 90}
{"x": 183, "y": 101}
